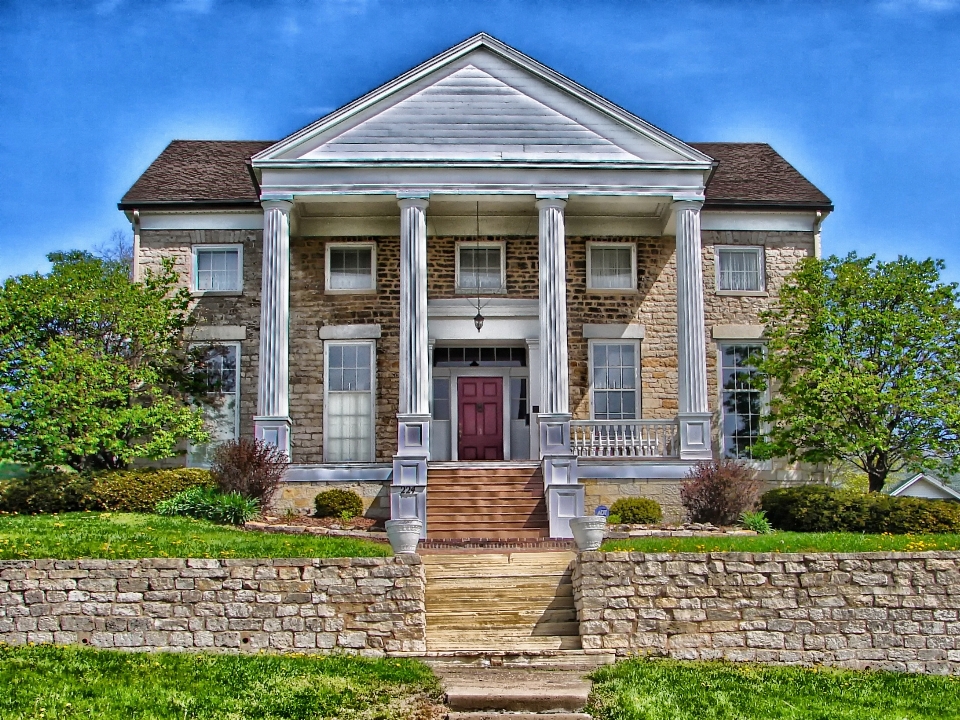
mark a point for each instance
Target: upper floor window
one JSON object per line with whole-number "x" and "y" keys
{"x": 742, "y": 402}
{"x": 740, "y": 269}
{"x": 611, "y": 266}
{"x": 221, "y": 409}
{"x": 351, "y": 267}
{"x": 217, "y": 268}
{"x": 481, "y": 267}
{"x": 614, "y": 380}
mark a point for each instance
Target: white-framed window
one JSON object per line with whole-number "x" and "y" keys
{"x": 481, "y": 267}
{"x": 349, "y": 372}
{"x": 739, "y": 269}
{"x": 217, "y": 268}
{"x": 351, "y": 267}
{"x": 611, "y": 266}
{"x": 742, "y": 403}
{"x": 614, "y": 379}
{"x": 221, "y": 411}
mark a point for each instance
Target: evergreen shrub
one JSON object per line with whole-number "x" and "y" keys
{"x": 637, "y": 511}
{"x": 820, "y": 508}
{"x": 338, "y": 503}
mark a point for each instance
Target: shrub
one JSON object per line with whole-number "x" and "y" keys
{"x": 637, "y": 510}
{"x": 756, "y": 521}
{"x": 819, "y": 508}
{"x": 718, "y": 491}
{"x": 45, "y": 491}
{"x": 334, "y": 503}
{"x": 250, "y": 467}
{"x": 51, "y": 491}
{"x": 140, "y": 490}
{"x": 210, "y": 504}
{"x": 614, "y": 519}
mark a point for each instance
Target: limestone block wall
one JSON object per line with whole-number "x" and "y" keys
{"x": 368, "y": 606}
{"x": 298, "y": 496}
{"x": 894, "y": 611}
{"x": 606, "y": 492}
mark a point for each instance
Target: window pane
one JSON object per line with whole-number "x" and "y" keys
{"x": 739, "y": 269}
{"x": 441, "y": 399}
{"x": 614, "y": 381}
{"x": 218, "y": 269}
{"x": 480, "y": 269}
{"x": 742, "y": 400}
{"x": 351, "y": 268}
{"x": 611, "y": 268}
{"x": 349, "y": 431}
{"x": 518, "y": 398}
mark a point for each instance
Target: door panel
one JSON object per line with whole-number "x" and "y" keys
{"x": 480, "y": 410}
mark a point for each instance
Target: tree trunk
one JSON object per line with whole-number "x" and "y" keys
{"x": 877, "y": 481}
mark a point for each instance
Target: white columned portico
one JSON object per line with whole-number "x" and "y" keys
{"x": 272, "y": 421}
{"x": 559, "y": 463}
{"x": 694, "y": 415}
{"x": 408, "y": 496}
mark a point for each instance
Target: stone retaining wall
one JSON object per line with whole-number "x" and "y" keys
{"x": 895, "y": 611}
{"x": 359, "y": 605}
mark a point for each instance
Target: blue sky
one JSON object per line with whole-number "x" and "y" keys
{"x": 863, "y": 98}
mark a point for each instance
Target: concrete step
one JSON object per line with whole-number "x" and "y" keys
{"x": 510, "y": 690}
{"x": 500, "y": 640}
{"x": 517, "y": 716}
{"x": 582, "y": 661}
{"x": 480, "y": 535}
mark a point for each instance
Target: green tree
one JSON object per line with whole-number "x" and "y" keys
{"x": 864, "y": 359}
{"x": 93, "y": 369}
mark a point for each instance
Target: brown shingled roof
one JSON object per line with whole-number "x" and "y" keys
{"x": 754, "y": 174}
{"x": 198, "y": 172}
{"x": 216, "y": 173}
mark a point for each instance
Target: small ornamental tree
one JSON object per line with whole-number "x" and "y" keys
{"x": 93, "y": 370}
{"x": 864, "y": 361}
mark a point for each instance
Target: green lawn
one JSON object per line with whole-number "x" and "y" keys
{"x": 59, "y": 683}
{"x": 788, "y": 542}
{"x": 128, "y": 535}
{"x": 671, "y": 690}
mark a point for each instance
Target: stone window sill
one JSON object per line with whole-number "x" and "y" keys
{"x": 366, "y": 291}
{"x": 216, "y": 293}
{"x": 743, "y": 293}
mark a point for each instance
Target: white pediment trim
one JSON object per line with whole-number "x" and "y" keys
{"x": 597, "y": 132}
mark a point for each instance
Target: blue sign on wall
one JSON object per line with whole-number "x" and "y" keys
{"x": 602, "y": 511}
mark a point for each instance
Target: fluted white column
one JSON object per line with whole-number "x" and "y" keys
{"x": 408, "y": 497}
{"x": 691, "y": 335}
{"x": 272, "y": 421}
{"x": 564, "y": 496}
{"x": 414, "y": 350}
{"x": 554, "y": 370}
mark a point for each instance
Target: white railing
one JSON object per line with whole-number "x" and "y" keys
{"x": 625, "y": 438}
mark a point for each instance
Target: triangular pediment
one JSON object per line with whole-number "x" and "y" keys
{"x": 481, "y": 101}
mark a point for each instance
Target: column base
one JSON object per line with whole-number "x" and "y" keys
{"x": 695, "y": 436}
{"x": 564, "y": 495}
{"x": 564, "y": 503}
{"x": 274, "y": 431}
{"x": 408, "y": 495}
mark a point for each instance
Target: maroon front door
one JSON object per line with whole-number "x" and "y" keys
{"x": 480, "y": 412}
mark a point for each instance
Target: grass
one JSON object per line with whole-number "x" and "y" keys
{"x": 60, "y": 683}
{"x": 673, "y": 690}
{"x": 788, "y": 542}
{"x": 128, "y": 535}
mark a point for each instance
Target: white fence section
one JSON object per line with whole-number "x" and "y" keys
{"x": 625, "y": 438}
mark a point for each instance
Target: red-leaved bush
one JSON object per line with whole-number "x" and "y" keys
{"x": 718, "y": 491}
{"x": 250, "y": 467}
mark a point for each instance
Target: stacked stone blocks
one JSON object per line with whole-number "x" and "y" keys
{"x": 368, "y": 606}
{"x": 892, "y": 611}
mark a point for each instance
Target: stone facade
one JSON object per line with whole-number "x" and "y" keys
{"x": 606, "y": 492}
{"x": 297, "y": 497}
{"x": 369, "y": 606}
{"x": 893, "y": 611}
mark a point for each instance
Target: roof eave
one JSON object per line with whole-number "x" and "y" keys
{"x": 766, "y": 205}
{"x": 192, "y": 204}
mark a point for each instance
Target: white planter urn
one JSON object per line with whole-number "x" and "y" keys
{"x": 404, "y": 534}
{"x": 588, "y": 531}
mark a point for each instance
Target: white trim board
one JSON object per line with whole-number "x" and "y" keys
{"x": 201, "y": 221}
{"x": 773, "y": 221}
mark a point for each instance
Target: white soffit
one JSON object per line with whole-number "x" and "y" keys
{"x": 776, "y": 221}
{"x": 201, "y": 221}
{"x": 482, "y": 101}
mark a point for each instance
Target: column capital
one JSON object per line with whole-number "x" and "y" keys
{"x": 409, "y": 201}
{"x": 552, "y": 201}
{"x": 681, "y": 202}
{"x": 279, "y": 202}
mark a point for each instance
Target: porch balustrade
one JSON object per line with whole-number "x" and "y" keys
{"x": 625, "y": 438}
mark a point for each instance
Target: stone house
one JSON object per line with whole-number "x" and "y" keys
{"x": 481, "y": 294}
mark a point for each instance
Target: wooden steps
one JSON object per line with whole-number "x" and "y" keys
{"x": 508, "y": 602}
{"x": 493, "y": 500}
